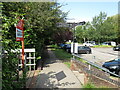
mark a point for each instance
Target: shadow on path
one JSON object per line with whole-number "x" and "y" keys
{"x": 56, "y": 75}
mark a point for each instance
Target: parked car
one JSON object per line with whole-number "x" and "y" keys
{"x": 113, "y": 65}
{"x": 109, "y": 43}
{"x": 61, "y": 45}
{"x": 84, "y": 50}
{"x": 116, "y": 48}
{"x": 89, "y": 43}
{"x": 67, "y": 47}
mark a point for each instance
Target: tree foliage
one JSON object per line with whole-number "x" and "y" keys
{"x": 40, "y": 23}
{"x": 101, "y": 29}
{"x": 62, "y": 35}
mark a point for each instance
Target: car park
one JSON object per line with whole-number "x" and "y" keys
{"x": 89, "y": 43}
{"x": 116, "y": 48}
{"x": 113, "y": 66}
{"x": 84, "y": 50}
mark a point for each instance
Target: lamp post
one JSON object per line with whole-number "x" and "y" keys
{"x": 73, "y": 41}
{"x": 74, "y": 46}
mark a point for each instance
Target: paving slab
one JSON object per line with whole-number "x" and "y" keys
{"x": 57, "y": 75}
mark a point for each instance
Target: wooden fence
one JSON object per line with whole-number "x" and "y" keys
{"x": 29, "y": 59}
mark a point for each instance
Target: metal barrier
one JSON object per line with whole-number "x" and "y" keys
{"x": 95, "y": 65}
{"x": 94, "y": 69}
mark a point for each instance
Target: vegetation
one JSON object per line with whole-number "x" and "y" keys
{"x": 68, "y": 64}
{"x": 40, "y": 29}
{"x": 101, "y": 29}
{"x": 89, "y": 85}
{"x": 101, "y": 46}
{"x": 63, "y": 55}
{"x": 40, "y": 20}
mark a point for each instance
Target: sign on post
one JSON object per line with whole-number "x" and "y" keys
{"x": 19, "y": 31}
{"x": 20, "y": 37}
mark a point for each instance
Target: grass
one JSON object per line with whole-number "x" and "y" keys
{"x": 68, "y": 64}
{"x": 54, "y": 46}
{"x": 102, "y": 46}
{"x": 89, "y": 85}
{"x": 61, "y": 54}
{"x": 80, "y": 59}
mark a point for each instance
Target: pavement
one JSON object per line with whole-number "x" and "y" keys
{"x": 57, "y": 75}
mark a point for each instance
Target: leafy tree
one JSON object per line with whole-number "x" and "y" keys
{"x": 40, "y": 23}
{"x": 79, "y": 33}
{"x": 101, "y": 29}
{"x": 97, "y": 24}
{"x": 85, "y": 32}
{"x": 62, "y": 35}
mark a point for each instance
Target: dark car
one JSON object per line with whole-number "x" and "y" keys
{"x": 116, "y": 48}
{"x": 113, "y": 66}
{"x": 84, "y": 50}
{"x": 67, "y": 47}
{"x": 61, "y": 45}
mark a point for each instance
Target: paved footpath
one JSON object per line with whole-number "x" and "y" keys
{"x": 56, "y": 75}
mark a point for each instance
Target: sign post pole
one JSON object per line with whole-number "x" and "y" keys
{"x": 20, "y": 37}
{"x": 23, "y": 53}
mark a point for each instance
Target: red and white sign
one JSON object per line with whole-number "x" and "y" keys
{"x": 19, "y": 31}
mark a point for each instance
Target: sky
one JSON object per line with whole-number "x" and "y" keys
{"x": 80, "y": 10}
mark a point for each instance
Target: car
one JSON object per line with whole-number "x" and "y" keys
{"x": 116, "y": 48}
{"x": 67, "y": 47}
{"x": 84, "y": 50}
{"x": 109, "y": 43}
{"x": 89, "y": 43}
{"x": 105, "y": 43}
{"x": 113, "y": 65}
{"x": 61, "y": 45}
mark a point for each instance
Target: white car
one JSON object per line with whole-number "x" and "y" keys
{"x": 89, "y": 43}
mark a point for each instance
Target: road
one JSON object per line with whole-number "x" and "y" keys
{"x": 101, "y": 55}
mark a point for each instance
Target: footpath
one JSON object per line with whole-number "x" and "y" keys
{"x": 56, "y": 75}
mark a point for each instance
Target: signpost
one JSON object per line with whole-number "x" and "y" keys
{"x": 20, "y": 37}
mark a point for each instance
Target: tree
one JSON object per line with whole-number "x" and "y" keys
{"x": 97, "y": 24}
{"x": 84, "y": 32}
{"x": 40, "y": 23}
{"x": 101, "y": 29}
{"x": 62, "y": 35}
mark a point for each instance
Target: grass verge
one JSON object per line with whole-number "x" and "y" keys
{"x": 61, "y": 54}
{"x": 68, "y": 64}
{"x": 102, "y": 46}
{"x": 89, "y": 85}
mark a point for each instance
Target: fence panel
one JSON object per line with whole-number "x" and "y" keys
{"x": 29, "y": 59}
